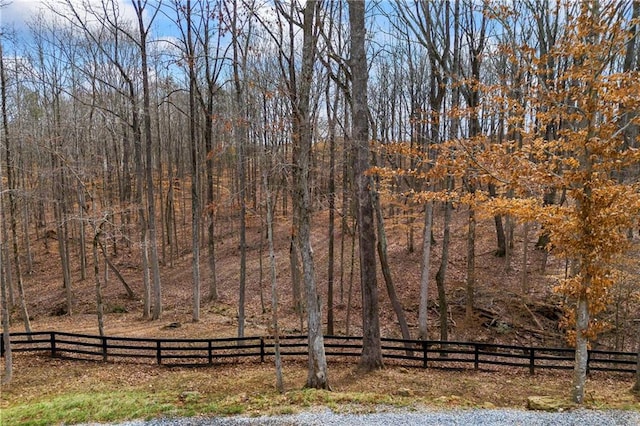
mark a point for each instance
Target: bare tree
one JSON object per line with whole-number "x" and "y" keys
{"x": 141, "y": 10}
{"x": 195, "y": 170}
{"x": 240, "y": 136}
{"x": 272, "y": 269}
{"x": 429, "y": 23}
{"x": 4, "y": 302}
{"x": 475, "y": 33}
{"x": 317, "y": 373}
{"x": 371, "y": 345}
{"x": 11, "y": 195}
{"x": 116, "y": 44}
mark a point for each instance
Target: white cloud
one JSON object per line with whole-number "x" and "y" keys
{"x": 18, "y": 13}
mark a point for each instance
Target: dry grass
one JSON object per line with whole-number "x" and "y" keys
{"x": 53, "y": 391}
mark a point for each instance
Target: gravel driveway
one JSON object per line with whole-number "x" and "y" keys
{"x": 454, "y": 417}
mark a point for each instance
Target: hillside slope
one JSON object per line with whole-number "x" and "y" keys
{"x": 503, "y": 313}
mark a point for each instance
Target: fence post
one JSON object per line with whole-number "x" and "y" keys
{"x": 425, "y": 356}
{"x": 1, "y": 344}
{"x": 636, "y": 386}
{"x": 262, "y": 349}
{"x": 532, "y": 361}
{"x": 104, "y": 347}
{"x": 588, "y": 360}
{"x": 159, "y": 352}
{"x": 210, "y": 351}
{"x": 53, "y": 344}
{"x": 476, "y": 356}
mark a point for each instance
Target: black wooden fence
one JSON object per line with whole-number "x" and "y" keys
{"x": 409, "y": 353}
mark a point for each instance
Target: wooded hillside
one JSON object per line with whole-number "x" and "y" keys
{"x": 471, "y": 167}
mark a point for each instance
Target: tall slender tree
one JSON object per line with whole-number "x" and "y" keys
{"x": 240, "y": 135}
{"x": 144, "y": 28}
{"x": 371, "y": 344}
{"x": 195, "y": 159}
{"x": 317, "y": 373}
{"x": 4, "y": 299}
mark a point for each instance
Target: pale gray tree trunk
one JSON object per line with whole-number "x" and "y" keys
{"x": 430, "y": 22}
{"x": 317, "y": 371}
{"x": 582, "y": 342}
{"x": 274, "y": 287}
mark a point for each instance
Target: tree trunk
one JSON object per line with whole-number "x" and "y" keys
{"x": 274, "y": 287}
{"x": 295, "y": 269}
{"x": 81, "y": 232}
{"x": 442, "y": 270}
{"x": 6, "y": 282}
{"x": 195, "y": 171}
{"x": 146, "y": 110}
{"x": 347, "y": 185}
{"x": 352, "y": 263}
{"x": 111, "y": 266}
{"x": 6, "y": 273}
{"x": 4, "y": 300}
{"x": 524, "y": 279}
{"x": 582, "y": 354}
{"x": 371, "y": 345}
{"x": 96, "y": 275}
{"x": 240, "y": 135}
{"x": 386, "y": 271}
{"x": 317, "y": 372}
{"x": 424, "y": 275}
{"x": 6, "y": 337}
{"x": 332, "y": 213}
{"x": 62, "y": 236}
{"x": 631, "y": 62}
{"x": 211, "y": 243}
{"x": 13, "y": 220}
{"x": 501, "y": 250}
{"x": 471, "y": 265}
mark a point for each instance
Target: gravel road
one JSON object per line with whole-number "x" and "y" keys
{"x": 405, "y": 418}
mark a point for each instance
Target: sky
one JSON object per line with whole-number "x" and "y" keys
{"x": 16, "y": 14}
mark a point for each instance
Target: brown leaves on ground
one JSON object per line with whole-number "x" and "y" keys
{"x": 252, "y": 386}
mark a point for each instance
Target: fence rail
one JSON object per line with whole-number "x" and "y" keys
{"x": 410, "y": 353}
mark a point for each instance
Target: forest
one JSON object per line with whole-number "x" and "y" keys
{"x": 456, "y": 160}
